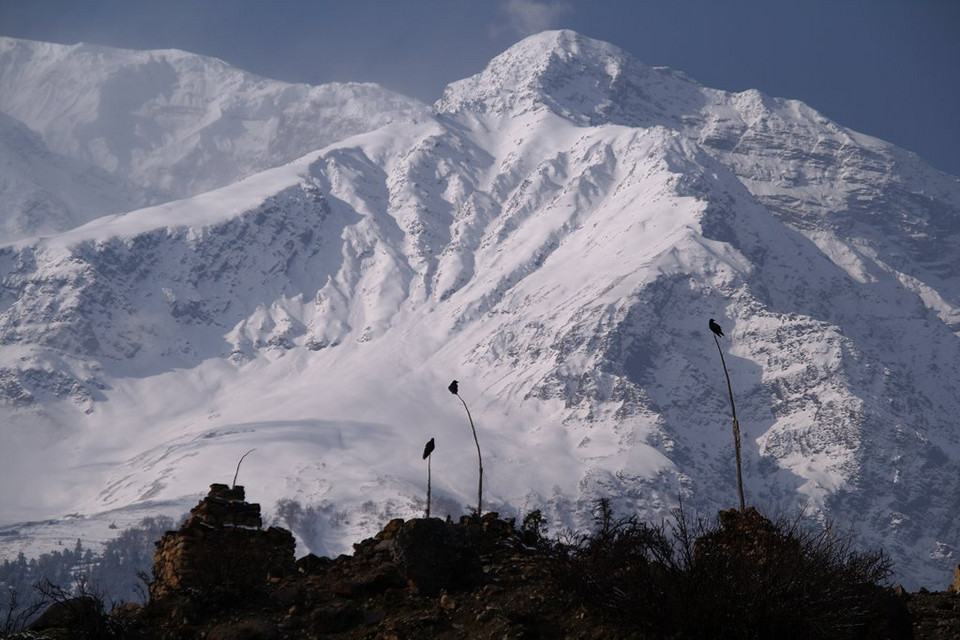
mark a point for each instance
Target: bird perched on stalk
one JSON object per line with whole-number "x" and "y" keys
{"x": 716, "y": 328}
{"x": 454, "y": 388}
{"x": 427, "y": 450}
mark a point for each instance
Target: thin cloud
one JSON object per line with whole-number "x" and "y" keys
{"x": 523, "y": 17}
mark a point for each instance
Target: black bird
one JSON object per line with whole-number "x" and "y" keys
{"x": 427, "y": 450}
{"x": 716, "y": 328}
{"x": 453, "y": 388}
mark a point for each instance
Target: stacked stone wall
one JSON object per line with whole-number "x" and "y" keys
{"x": 220, "y": 548}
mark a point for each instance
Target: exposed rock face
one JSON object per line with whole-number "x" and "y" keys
{"x": 220, "y": 547}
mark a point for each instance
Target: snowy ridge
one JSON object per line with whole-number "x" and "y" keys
{"x": 44, "y": 192}
{"x": 554, "y": 237}
{"x": 170, "y": 124}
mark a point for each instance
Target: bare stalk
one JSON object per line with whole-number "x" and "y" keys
{"x": 234, "y": 486}
{"x": 736, "y": 425}
{"x": 429, "y": 458}
{"x": 428, "y": 455}
{"x": 479, "y": 459}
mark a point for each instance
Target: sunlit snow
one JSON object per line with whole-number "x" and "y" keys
{"x": 554, "y": 234}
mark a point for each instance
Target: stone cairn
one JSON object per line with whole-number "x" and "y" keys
{"x": 222, "y": 547}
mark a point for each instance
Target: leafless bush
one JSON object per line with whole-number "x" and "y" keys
{"x": 17, "y": 615}
{"x": 742, "y": 576}
{"x": 81, "y": 611}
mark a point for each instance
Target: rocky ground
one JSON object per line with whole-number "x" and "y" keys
{"x": 935, "y": 615}
{"x": 222, "y": 577}
{"x": 415, "y": 579}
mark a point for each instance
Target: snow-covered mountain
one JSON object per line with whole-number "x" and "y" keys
{"x": 554, "y": 235}
{"x": 165, "y": 124}
{"x": 44, "y": 192}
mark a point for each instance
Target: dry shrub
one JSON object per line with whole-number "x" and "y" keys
{"x": 742, "y": 576}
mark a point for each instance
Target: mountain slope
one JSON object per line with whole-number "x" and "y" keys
{"x": 44, "y": 192}
{"x": 170, "y": 124}
{"x": 555, "y": 237}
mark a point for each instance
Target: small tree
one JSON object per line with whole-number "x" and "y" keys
{"x": 455, "y": 390}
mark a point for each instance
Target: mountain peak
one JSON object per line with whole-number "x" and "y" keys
{"x": 562, "y": 43}
{"x": 585, "y": 80}
{"x": 556, "y": 240}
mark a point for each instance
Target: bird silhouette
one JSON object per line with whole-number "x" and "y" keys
{"x": 453, "y": 388}
{"x": 427, "y": 450}
{"x": 716, "y": 328}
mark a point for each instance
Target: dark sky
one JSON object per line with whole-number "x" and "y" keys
{"x": 888, "y": 68}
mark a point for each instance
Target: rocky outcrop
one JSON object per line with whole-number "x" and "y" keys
{"x": 223, "y": 576}
{"x": 476, "y": 577}
{"x": 432, "y": 578}
{"x": 82, "y": 612}
{"x": 435, "y": 555}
